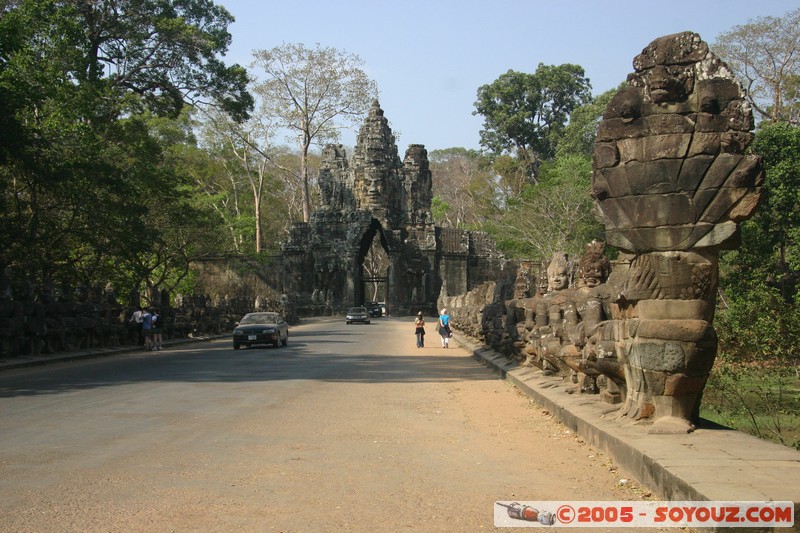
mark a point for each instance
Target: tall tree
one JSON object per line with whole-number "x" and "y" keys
{"x": 765, "y": 56}
{"x": 82, "y": 166}
{"x": 524, "y": 114}
{"x": 770, "y": 250}
{"x": 555, "y": 215}
{"x": 760, "y": 279}
{"x": 309, "y": 90}
{"x": 579, "y": 135}
{"x": 464, "y": 187}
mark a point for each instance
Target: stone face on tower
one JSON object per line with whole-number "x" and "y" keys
{"x": 377, "y": 193}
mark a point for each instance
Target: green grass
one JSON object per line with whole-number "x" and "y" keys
{"x": 762, "y": 400}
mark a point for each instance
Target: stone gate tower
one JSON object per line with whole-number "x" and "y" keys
{"x": 377, "y": 193}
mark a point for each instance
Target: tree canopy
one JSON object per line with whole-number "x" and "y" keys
{"x": 524, "y": 114}
{"x": 765, "y": 56}
{"x": 86, "y": 182}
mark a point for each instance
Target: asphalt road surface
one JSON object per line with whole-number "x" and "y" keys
{"x": 348, "y": 428}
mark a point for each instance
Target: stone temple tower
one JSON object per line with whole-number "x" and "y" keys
{"x": 377, "y": 193}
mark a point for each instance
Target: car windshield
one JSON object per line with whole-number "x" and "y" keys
{"x": 259, "y": 318}
{"x": 356, "y": 310}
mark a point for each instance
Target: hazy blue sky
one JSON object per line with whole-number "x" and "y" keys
{"x": 429, "y": 57}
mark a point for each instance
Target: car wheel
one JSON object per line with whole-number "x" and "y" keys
{"x": 235, "y": 345}
{"x": 347, "y": 322}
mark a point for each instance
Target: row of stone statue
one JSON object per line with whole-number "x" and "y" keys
{"x": 637, "y": 331}
{"x": 50, "y": 321}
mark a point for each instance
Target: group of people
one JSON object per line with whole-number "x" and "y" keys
{"x": 443, "y": 325}
{"x": 149, "y": 324}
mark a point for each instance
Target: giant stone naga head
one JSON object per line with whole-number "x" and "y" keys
{"x": 670, "y": 171}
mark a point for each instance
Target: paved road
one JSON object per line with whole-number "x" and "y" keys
{"x": 348, "y": 428}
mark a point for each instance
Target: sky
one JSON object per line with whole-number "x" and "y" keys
{"x": 429, "y": 57}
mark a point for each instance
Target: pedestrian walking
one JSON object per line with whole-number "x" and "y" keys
{"x": 444, "y": 328}
{"x": 419, "y": 330}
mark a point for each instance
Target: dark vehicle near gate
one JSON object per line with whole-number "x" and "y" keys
{"x": 374, "y": 309}
{"x": 261, "y": 328}
{"x": 357, "y": 314}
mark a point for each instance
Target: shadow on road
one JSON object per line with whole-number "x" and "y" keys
{"x": 324, "y": 354}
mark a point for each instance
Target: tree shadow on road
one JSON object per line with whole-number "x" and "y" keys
{"x": 217, "y": 362}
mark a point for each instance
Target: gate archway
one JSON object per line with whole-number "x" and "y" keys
{"x": 373, "y": 265}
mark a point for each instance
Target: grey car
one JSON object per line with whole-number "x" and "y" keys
{"x": 357, "y": 314}
{"x": 261, "y": 328}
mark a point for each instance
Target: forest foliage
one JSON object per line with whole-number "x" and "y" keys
{"x": 130, "y": 150}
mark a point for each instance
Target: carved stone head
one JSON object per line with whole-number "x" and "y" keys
{"x": 558, "y": 272}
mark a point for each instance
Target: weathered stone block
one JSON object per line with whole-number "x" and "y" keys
{"x": 746, "y": 206}
{"x": 723, "y": 200}
{"x": 720, "y": 169}
{"x": 626, "y": 105}
{"x": 735, "y": 142}
{"x": 707, "y": 122}
{"x": 655, "y": 210}
{"x": 748, "y": 173}
{"x": 715, "y": 94}
{"x": 704, "y": 144}
{"x": 738, "y": 116}
{"x": 655, "y": 381}
{"x": 713, "y": 235}
{"x": 653, "y": 177}
{"x": 666, "y": 356}
{"x": 605, "y": 155}
{"x": 682, "y": 385}
{"x": 676, "y": 49}
{"x": 617, "y": 214}
{"x": 692, "y": 170}
{"x": 615, "y": 129}
{"x": 674, "y": 330}
{"x": 673, "y": 309}
{"x": 668, "y": 124}
{"x": 610, "y": 183}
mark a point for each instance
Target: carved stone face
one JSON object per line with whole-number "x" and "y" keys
{"x": 374, "y": 192}
{"x": 592, "y": 276}
{"x": 558, "y": 278}
{"x": 668, "y": 84}
{"x": 542, "y": 282}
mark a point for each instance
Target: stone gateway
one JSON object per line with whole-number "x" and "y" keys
{"x": 376, "y": 197}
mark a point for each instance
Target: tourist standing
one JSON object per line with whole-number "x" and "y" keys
{"x": 147, "y": 329}
{"x": 136, "y": 320}
{"x": 444, "y": 328}
{"x": 419, "y": 330}
{"x": 158, "y": 323}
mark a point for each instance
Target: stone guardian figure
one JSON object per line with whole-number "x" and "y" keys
{"x": 672, "y": 181}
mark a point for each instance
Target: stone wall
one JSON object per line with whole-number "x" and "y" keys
{"x": 44, "y": 319}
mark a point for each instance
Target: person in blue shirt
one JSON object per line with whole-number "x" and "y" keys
{"x": 147, "y": 329}
{"x": 444, "y": 328}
